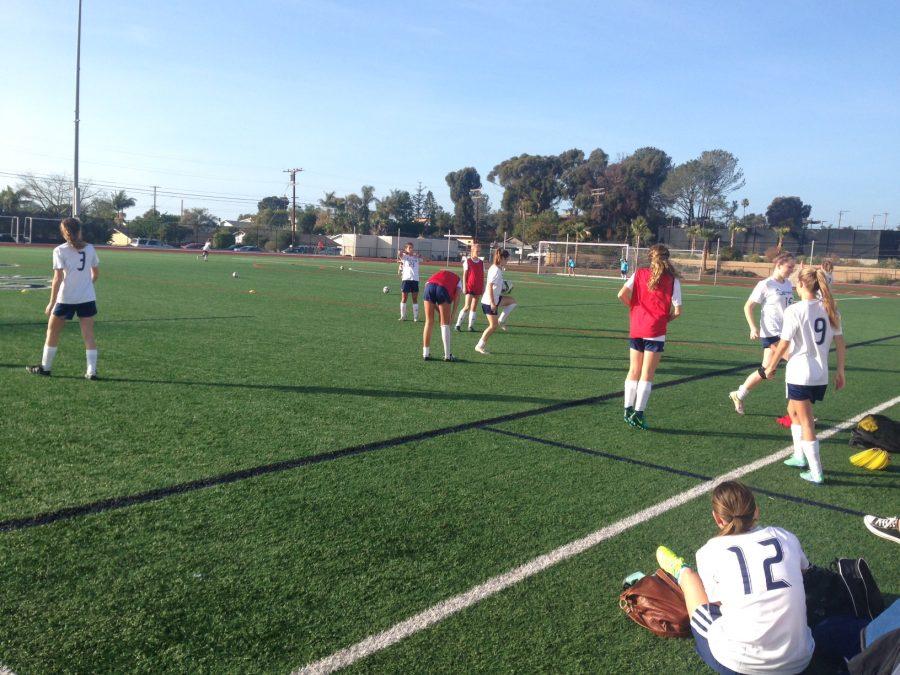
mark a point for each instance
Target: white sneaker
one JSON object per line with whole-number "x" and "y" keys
{"x": 482, "y": 350}
{"x": 738, "y": 403}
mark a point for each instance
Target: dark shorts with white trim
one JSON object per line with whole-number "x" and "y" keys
{"x": 806, "y": 392}
{"x": 84, "y": 310}
{"x": 701, "y": 620}
{"x": 437, "y": 294}
{"x": 644, "y": 345}
{"x": 409, "y": 286}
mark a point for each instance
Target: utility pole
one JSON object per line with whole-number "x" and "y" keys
{"x": 885, "y": 214}
{"x": 840, "y": 217}
{"x": 293, "y": 173}
{"x": 154, "y": 198}
{"x": 76, "y": 191}
{"x": 476, "y": 197}
{"x": 873, "y": 220}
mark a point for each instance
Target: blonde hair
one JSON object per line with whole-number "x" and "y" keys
{"x": 70, "y": 229}
{"x": 735, "y": 504}
{"x": 500, "y": 255}
{"x": 815, "y": 280}
{"x": 828, "y": 265}
{"x": 782, "y": 258}
{"x": 660, "y": 265}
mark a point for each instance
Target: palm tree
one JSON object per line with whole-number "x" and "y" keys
{"x": 780, "y": 231}
{"x": 735, "y": 227}
{"x": 13, "y": 201}
{"x": 120, "y": 201}
{"x": 745, "y": 203}
{"x": 693, "y": 232}
{"x": 640, "y": 230}
{"x": 705, "y": 233}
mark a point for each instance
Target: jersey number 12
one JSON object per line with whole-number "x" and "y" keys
{"x": 771, "y": 584}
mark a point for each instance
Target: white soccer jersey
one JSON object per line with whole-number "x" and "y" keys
{"x": 493, "y": 286}
{"x": 758, "y": 578}
{"x": 409, "y": 265}
{"x": 207, "y": 246}
{"x": 773, "y": 297}
{"x": 807, "y": 326}
{"x": 77, "y": 286}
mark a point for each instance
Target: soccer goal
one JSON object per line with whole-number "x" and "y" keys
{"x": 588, "y": 259}
{"x": 689, "y": 262}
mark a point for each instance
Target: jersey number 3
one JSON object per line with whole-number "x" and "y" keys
{"x": 81, "y": 255}
{"x": 771, "y": 584}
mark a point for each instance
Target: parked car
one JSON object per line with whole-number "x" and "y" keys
{"x": 148, "y": 243}
{"x": 192, "y": 246}
{"x": 247, "y": 249}
{"x": 295, "y": 249}
{"x": 234, "y": 247}
{"x": 6, "y": 238}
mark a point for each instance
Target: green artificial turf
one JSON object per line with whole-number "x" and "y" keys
{"x": 202, "y": 377}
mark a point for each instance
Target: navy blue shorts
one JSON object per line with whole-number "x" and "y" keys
{"x": 84, "y": 310}
{"x": 769, "y": 341}
{"x": 701, "y": 620}
{"x": 486, "y": 308}
{"x": 806, "y": 392}
{"x": 409, "y": 286}
{"x": 437, "y": 294}
{"x": 644, "y": 345}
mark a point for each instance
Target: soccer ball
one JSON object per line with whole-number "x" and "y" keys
{"x": 342, "y": 267}
{"x": 507, "y": 287}
{"x": 386, "y": 290}
{"x": 234, "y": 275}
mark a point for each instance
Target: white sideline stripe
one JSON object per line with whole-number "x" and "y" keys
{"x": 446, "y": 608}
{"x": 5, "y": 671}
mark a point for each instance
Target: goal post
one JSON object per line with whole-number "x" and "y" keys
{"x": 591, "y": 259}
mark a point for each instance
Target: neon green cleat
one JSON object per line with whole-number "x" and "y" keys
{"x": 637, "y": 420}
{"x": 816, "y": 480}
{"x": 799, "y": 462}
{"x": 669, "y": 562}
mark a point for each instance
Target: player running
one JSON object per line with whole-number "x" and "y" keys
{"x": 442, "y": 291}
{"x": 493, "y": 301}
{"x": 75, "y": 269}
{"x": 653, "y": 296}
{"x": 473, "y": 281}
{"x": 810, "y": 326}
{"x": 773, "y": 295}
{"x": 205, "y": 251}
{"x": 409, "y": 280}
{"x": 746, "y": 600}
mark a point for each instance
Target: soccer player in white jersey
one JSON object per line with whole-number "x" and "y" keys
{"x": 773, "y": 295}
{"x": 409, "y": 280}
{"x": 746, "y": 599}
{"x": 810, "y": 326}
{"x": 493, "y": 302}
{"x": 75, "y": 269}
{"x": 205, "y": 250}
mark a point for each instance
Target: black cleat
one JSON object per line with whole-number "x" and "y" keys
{"x": 91, "y": 376}
{"x": 458, "y": 329}
{"x": 426, "y": 358}
{"x": 38, "y": 370}
{"x": 450, "y": 358}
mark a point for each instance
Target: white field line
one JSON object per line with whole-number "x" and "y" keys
{"x": 446, "y": 608}
{"x": 5, "y": 671}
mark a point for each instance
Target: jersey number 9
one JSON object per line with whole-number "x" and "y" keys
{"x": 819, "y": 327}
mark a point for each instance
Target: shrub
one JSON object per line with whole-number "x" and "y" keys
{"x": 222, "y": 239}
{"x": 728, "y": 253}
{"x": 754, "y": 258}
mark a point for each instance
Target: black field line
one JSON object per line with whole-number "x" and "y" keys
{"x": 670, "y": 469}
{"x": 157, "y": 494}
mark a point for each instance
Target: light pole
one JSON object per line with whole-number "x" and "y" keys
{"x": 476, "y": 196}
{"x": 840, "y": 217}
{"x": 76, "y": 192}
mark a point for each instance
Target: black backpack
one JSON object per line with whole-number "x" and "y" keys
{"x": 876, "y": 431}
{"x": 846, "y": 588}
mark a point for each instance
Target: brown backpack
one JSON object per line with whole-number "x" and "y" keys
{"x": 657, "y": 603}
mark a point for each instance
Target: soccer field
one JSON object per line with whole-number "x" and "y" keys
{"x": 262, "y": 480}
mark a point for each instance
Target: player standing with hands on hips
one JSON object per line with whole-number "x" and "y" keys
{"x": 810, "y": 326}
{"x": 409, "y": 280}
{"x": 653, "y": 297}
{"x": 773, "y": 295}
{"x": 75, "y": 269}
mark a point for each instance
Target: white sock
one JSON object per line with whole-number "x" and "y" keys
{"x": 471, "y": 318}
{"x": 630, "y": 393}
{"x": 480, "y": 344}
{"x": 811, "y": 451}
{"x": 742, "y": 392}
{"x": 416, "y": 312}
{"x": 91, "y": 361}
{"x": 47, "y": 358}
{"x": 643, "y": 394}
{"x": 402, "y": 310}
{"x": 459, "y": 319}
{"x": 445, "y": 338}
{"x": 506, "y": 312}
{"x": 426, "y": 352}
{"x": 797, "y": 435}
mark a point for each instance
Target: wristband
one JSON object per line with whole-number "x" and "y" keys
{"x": 761, "y": 372}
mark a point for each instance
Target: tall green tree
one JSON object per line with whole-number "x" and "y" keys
{"x": 14, "y": 200}
{"x": 788, "y": 212}
{"x": 120, "y": 202}
{"x": 460, "y": 183}
{"x": 698, "y": 189}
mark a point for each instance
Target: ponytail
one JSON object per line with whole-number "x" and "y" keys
{"x": 734, "y": 503}
{"x": 70, "y": 229}
{"x": 660, "y": 265}
{"x": 500, "y": 255}
{"x": 828, "y": 299}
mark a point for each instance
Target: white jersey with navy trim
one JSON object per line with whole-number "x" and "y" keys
{"x": 77, "y": 286}
{"x": 773, "y": 297}
{"x": 493, "y": 286}
{"x": 807, "y": 326}
{"x": 758, "y": 579}
{"x": 409, "y": 267}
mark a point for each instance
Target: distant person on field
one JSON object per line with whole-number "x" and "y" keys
{"x": 442, "y": 292}
{"x": 75, "y": 269}
{"x": 473, "y": 282}
{"x": 623, "y": 268}
{"x": 746, "y": 599}
{"x": 571, "y": 266}
{"x": 409, "y": 280}
{"x": 206, "y": 247}
{"x": 653, "y": 297}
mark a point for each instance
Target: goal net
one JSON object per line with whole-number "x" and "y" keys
{"x": 688, "y": 262}
{"x": 587, "y": 258}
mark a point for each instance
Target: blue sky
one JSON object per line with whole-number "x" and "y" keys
{"x": 204, "y": 97}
